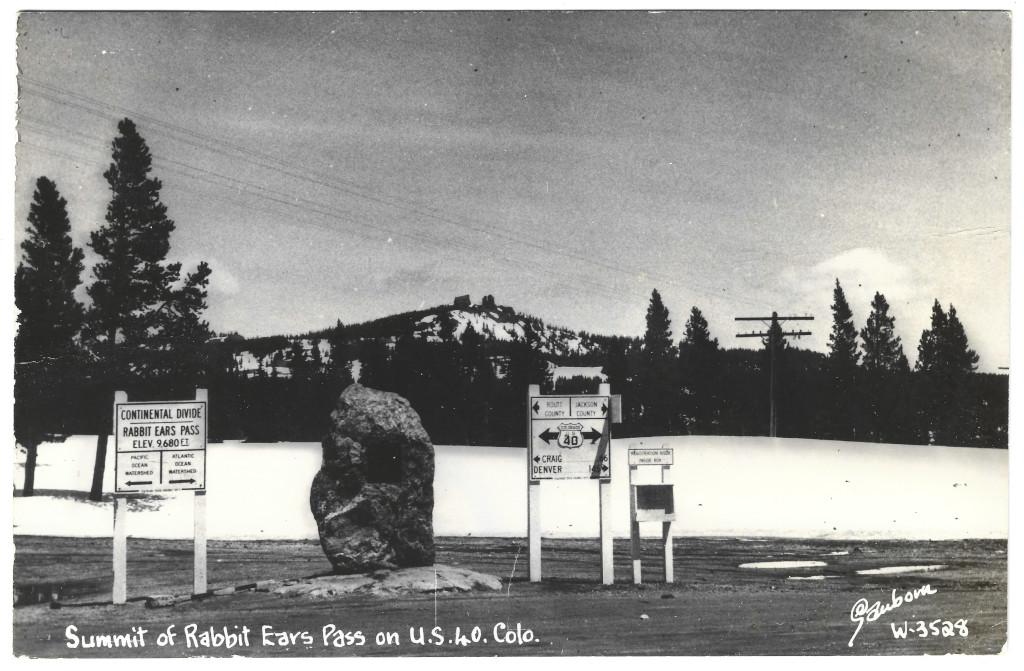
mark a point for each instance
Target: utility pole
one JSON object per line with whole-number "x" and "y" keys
{"x": 774, "y": 331}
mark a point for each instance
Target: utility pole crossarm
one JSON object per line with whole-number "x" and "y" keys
{"x": 765, "y": 335}
{"x": 769, "y": 319}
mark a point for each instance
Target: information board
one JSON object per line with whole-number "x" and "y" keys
{"x": 649, "y": 456}
{"x": 569, "y": 437}
{"x": 161, "y": 446}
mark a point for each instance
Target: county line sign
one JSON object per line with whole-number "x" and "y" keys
{"x": 161, "y": 446}
{"x": 569, "y": 437}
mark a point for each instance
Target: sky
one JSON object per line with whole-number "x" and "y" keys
{"x": 353, "y": 165}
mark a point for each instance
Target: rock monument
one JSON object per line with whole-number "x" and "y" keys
{"x": 373, "y": 498}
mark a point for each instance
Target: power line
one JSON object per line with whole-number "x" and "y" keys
{"x": 210, "y": 143}
{"x": 293, "y": 202}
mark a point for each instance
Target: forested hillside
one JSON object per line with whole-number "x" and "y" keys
{"x": 466, "y": 371}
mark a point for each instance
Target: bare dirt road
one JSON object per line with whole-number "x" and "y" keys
{"x": 715, "y": 607}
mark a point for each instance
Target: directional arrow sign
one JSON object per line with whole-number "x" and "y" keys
{"x": 569, "y": 437}
{"x": 547, "y": 435}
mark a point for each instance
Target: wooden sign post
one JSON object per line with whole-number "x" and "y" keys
{"x": 569, "y": 438}
{"x": 160, "y": 446}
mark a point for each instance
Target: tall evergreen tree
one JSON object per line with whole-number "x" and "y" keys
{"x": 843, "y": 355}
{"x": 882, "y": 348}
{"x": 49, "y": 315}
{"x": 949, "y": 417}
{"x": 659, "y": 391}
{"x": 883, "y": 391}
{"x": 658, "y": 336}
{"x": 944, "y": 348}
{"x": 131, "y": 277}
{"x": 49, "y": 320}
{"x": 839, "y": 410}
{"x": 699, "y": 364}
{"x": 696, "y": 332}
{"x": 930, "y": 349}
{"x": 298, "y": 362}
{"x": 138, "y": 310}
{"x": 961, "y": 358}
{"x": 341, "y": 359}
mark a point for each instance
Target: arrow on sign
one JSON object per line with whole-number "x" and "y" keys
{"x": 537, "y": 459}
{"x": 604, "y": 408}
{"x": 147, "y": 482}
{"x": 593, "y": 435}
{"x": 536, "y": 406}
{"x": 547, "y": 435}
{"x": 174, "y": 482}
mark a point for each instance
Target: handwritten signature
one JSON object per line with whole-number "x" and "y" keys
{"x": 863, "y": 611}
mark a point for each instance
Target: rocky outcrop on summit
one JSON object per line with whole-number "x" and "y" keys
{"x": 373, "y": 498}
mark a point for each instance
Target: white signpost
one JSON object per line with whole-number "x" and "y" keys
{"x": 159, "y": 446}
{"x": 651, "y": 503}
{"x": 570, "y": 438}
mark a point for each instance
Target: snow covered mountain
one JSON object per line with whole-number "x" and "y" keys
{"x": 493, "y": 323}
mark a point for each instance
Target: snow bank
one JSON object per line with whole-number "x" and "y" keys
{"x": 724, "y": 486}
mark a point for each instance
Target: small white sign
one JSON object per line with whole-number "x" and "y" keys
{"x": 642, "y": 456}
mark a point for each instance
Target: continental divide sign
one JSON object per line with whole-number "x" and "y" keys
{"x": 161, "y": 446}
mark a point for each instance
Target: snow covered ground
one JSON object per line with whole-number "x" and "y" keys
{"x": 724, "y": 486}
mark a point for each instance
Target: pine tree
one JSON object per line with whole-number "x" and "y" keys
{"x": 340, "y": 357}
{"x": 839, "y": 410}
{"x": 131, "y": 278}
{"x": 316, "y": 357}
{"x": 943, "y": 348}
{"x": 699, "y": 363}
{"x": 44, "y": 284}
{"x": 49, "y": 320}
{"x": 696, "y": 332}
{"x": 961, "y": 359}
{"x": 843, "y": 355}
{"x": 931, "y": 350}
{"x": 883, "y": 391}
{"x": 297, "y": 362}
{"x": 944, "y": 355}
{"x": 178, "y": 332}
{"x": 138, "y": 313}
{"x": 658, "y": 336}
{"x": 882, "y": 348}
{"x": 659, "y": 390}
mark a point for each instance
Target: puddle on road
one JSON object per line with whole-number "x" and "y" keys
{"x": 900, "y": 569}
{"x": 30, "y": 595}
{"x": 783, "y": 564}
{"x": 27, "y": 595}
{"x": 811, "y": 577}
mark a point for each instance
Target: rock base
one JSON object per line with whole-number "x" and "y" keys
{"x": 421, "y": 579}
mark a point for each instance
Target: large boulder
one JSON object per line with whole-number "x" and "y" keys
{"x": 373, "y": 498}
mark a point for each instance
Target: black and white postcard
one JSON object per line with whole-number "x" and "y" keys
{"x": 511, "y": 333}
